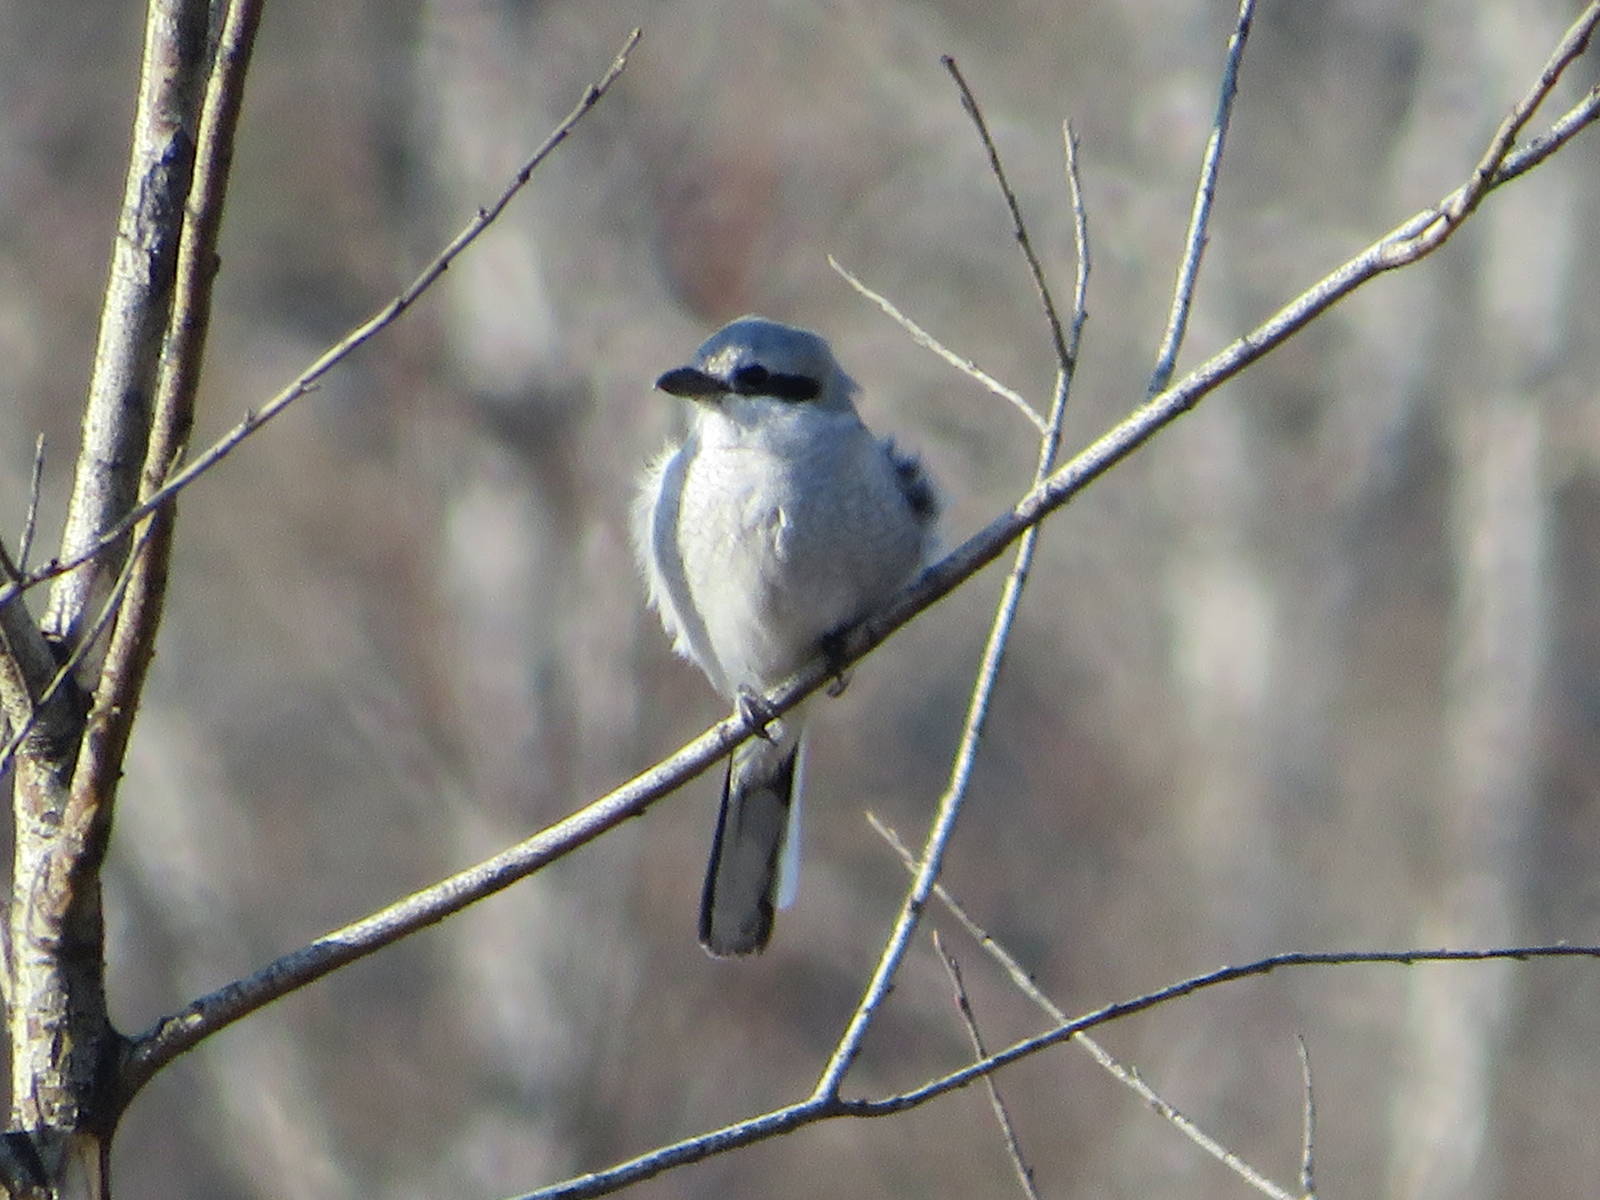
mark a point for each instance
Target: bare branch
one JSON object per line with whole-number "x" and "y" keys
{"x": 138, "y": 300}
{"x": 1067, "y": 353}
{"x": 1200, "y": 218}
{"x": 1124, "y": 1074}
{"x": 820, "y": 1108}
{"x": 1008, "y": 1131}
{"x": 30, "y": 520}
{"x": 26, "y": 663}
{"x": 1308, "y": 1177}
{"x": 1492, "y": 166}
{"x": 1557, "y": 136}
{"x": 1080, "y": 241}
{"x": 177, "y": 1033}
{"x": 1428, "y": 230}
{"x": 308, "y": 379}
{"x": 174, "y": 1034}
{"x": 987, "y": 676}
{"x": 1223, "y": 975}
{"x": 25, "y": 657}
{"x": 58, "y": 1030}
{"x": 928, "y": 342}
{"x": 85, "y": 646}
{"x": 86, "y": 818}
{"x": 1019, "y": 229}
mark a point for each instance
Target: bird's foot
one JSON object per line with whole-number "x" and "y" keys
{"x": 832, "y": 648}
{"x": 756, "y": 713}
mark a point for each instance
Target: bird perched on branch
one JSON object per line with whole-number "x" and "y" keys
{"x": 777, "y": 523}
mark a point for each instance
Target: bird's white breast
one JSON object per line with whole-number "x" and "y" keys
{"x": 764, "y": 537}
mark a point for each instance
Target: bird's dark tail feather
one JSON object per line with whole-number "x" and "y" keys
{"x": 742, "y": 879}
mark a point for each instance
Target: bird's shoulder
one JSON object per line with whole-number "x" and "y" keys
{"x": 916, "y": 486}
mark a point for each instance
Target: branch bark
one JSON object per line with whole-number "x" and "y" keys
{"x": 62, "y": 1045}
{"x": 133, "y": 321}
{"x": 64, "y": 1052}
{"x": 133, "y": 637}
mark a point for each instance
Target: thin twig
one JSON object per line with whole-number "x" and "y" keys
{"x": 26, "y": 659}
{"x": 1080, "y": 240}
{"x": 1067, "y": 353}
{"x": 108, "y": 612}
{"x": 1008, "y": 1131}
{"x": 948, "y": 809}
{"x": 986, "y": 678}
{"x": 1222, "y": 975}
{"x": 30, "y": 519}
{"x": 1124, "y": 1074}
{"x": 21, "y": 642}
{"x": 1501, "y": 162}
{"x": 1491, "y": 165}
{"x": 1548, "y": 142}
{"x": 928, "y": 342}
{"x": 1019, "y": 228}
{"x": 1200, "y": 217}
{"x": 26, "y": 663}
{"x": 1308, "y": 1175}
{"x": 821, "y": 1108}
{"x": 308, "y": 379}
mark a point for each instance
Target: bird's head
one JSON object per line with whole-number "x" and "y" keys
{"x": 756, "y": 358}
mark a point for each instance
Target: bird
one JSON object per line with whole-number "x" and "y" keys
{"x": 776, "y": 524}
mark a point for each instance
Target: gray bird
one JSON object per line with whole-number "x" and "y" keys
{"x": 778, "y": 522}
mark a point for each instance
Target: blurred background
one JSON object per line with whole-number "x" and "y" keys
{"x": 1319, "y": 669}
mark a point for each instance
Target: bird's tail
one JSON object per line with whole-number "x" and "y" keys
{"x": 755, "y": 854}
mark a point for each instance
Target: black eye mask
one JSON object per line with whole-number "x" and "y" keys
{"x": 756, "y": 380}
{"x": 750, "y": 380}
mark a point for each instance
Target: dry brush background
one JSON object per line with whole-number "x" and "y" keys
{"x": 1316, "y": 670}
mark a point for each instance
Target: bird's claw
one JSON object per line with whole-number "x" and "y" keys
{"x": 832, "y": 648}
{"x": 755, "y": 712}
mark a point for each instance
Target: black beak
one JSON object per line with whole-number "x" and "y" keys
{"x": 691, "y": 383}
